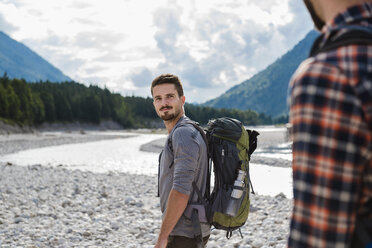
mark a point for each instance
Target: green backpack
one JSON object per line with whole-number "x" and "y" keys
{"x": 230, "y": 146}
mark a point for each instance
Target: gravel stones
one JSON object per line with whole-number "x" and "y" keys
{"x": 42, "y": 206}
{"x": 55, "y": 207}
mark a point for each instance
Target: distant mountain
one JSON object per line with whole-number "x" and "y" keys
{"x": 18, "y": 61}
{"x": 266, "y": 92}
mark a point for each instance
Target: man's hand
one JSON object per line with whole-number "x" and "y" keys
{"x": 161, "y": 243}
{"x": 177, "y": 203}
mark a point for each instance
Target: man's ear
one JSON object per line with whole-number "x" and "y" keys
{"x": 183, "y": 99}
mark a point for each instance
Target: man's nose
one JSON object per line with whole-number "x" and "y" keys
{"x": 164, "y": 102}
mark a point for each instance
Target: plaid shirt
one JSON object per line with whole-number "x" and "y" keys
{"x": 331, "y": 117}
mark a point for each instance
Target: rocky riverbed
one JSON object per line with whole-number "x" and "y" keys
{"x": 54, "y": 207}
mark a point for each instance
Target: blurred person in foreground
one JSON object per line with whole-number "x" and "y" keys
{"x": 331, "y": 117}
{"x": 183, "y": 161}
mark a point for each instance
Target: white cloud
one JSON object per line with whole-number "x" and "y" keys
{"x": 124, "y": 44}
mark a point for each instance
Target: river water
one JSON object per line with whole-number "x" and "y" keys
{"x": 124, "y": 155}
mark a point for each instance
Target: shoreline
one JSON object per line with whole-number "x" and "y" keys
{"x": 267, "y": 142}
{"x": 12, "y": 143}
{"x": 6, "y": 129}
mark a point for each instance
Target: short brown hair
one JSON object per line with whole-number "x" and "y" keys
{"x": 168, "y": 79}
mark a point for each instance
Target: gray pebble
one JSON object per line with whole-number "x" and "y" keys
{"x": 55, "y": 207}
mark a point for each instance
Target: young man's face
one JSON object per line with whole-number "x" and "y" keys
{"x": 168, "y": 104}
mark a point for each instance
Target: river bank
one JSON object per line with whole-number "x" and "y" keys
{"x": 56, "y": 207}
{"x": 44, "y": 206}
{"x": 14, "y": 128}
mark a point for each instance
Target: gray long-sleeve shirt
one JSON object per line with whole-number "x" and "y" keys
{"x": 179, "y": 168}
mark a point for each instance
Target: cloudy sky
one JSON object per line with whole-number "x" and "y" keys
{"x": 123, "y": 44}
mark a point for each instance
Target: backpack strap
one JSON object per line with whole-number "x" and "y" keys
{"x": 198, "y": 192}
{"x": 198, "y": 236}
{"x": 252, "y": 141}
{"x": 208, "y": 188}
{"x": 158, "y": 195}
{"x": 196, "y": 126}
{"x": 248, "y": 177}
{"x": 201, "y": 131}
{"x": 354, "y": 35}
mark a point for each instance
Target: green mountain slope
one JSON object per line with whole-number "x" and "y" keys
{"x": 18, "y": 61}
{"x": 266, "y": 92}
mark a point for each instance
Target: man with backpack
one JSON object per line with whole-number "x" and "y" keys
{"x": 182, "y": 163}
{"x": 331, "y": 117}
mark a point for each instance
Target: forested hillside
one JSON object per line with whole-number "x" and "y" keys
{"x": 266, "y": 92}
{"x": 35, "y": 103}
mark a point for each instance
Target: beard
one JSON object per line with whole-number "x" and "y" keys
{"x": 169, "y": 116}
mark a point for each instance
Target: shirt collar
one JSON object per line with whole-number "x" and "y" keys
{"x": 352, "y": 15}
{"x": 182, "y": 119}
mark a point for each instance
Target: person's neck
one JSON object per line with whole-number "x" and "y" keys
{"x": 169, "y": 125}
{"x": 335, "y": 7}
